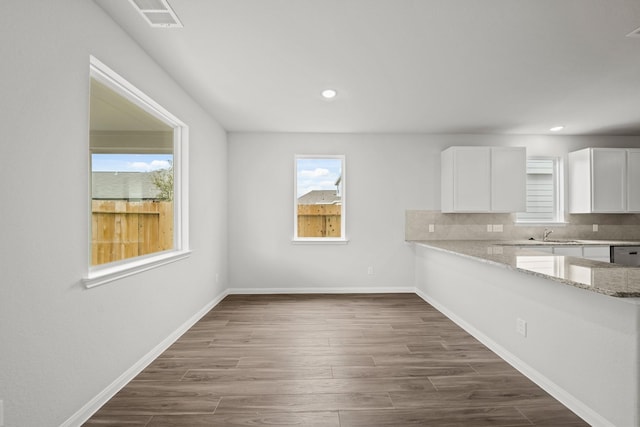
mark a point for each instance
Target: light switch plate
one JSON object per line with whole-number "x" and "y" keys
{"x": 497, "y": 228}
{"x": 489, "y": 228}
{"x": 595, "y": 227}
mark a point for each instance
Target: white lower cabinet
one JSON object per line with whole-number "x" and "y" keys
{"x": 594, "y": 253}
{"x": 547, "y": 249}
{"x": 575, "y": 251}
{"x": 597, "y": 253}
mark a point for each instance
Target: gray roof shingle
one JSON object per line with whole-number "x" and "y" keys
{"x": 123, "y": 186}
{"x": 319, "y": 197}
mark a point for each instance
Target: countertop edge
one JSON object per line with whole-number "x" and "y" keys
{"x": 490, "y": 243}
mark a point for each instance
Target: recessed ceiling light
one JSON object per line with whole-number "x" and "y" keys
{"x": 556, "y": 128}
{"x": 329, "y": 93}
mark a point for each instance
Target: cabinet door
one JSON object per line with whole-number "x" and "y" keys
{"x": 537, "y": 248}
{"x": 597, "y": 253}
{"x": 609, "y": 180}
{"x": 472, "y": 179}
{"x": 575, "y": 251}
{"x": 508, "y": 179}
{"x": 633, "y": 180}
{"x": 580, "y": 181}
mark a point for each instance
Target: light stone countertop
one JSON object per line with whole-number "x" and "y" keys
{"x": 601, "y": 277}
{"x": 567, "y": 242}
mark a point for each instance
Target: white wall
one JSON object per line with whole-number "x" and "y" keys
{"x": 378, "y": 168}
{"x": 386, "y": 175}
{"x": 61, "y": 344}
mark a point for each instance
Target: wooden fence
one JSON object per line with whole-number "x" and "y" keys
{"x": 319, "y": 220}
{"x": 121, "y": 229}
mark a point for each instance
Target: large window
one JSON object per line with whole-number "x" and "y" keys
{"x": 544, "y": 192}
{"x": 319, "y": 207}
{"x": 137, "y": 158}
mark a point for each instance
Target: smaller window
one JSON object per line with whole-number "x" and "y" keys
{"x": 320, "y": 201}
{"x": 544, "y": 195}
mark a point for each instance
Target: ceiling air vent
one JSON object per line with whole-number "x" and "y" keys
{"x": 157, "y": 13}
{"x": 634, "y": 33}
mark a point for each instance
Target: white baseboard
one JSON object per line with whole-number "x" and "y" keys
{"x": 323, "y": 290}
{"x": 564, "y": 397}
{"x": 103, "y": 397}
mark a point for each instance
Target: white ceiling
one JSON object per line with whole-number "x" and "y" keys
{"x": 432, "y": 66}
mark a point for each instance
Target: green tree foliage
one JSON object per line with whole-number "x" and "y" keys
{"x": 163, "y": 180}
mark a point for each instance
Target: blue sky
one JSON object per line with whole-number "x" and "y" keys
{"x": 130, "y": 162}
{"x": 312, "y": 174}
{"x": 317, "y": 174}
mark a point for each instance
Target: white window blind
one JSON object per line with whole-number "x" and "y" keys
{"x": 542, "y": 198}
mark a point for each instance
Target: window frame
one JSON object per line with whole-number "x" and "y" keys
{"x": 558, "y": 183}
{"x": 343, "y": 214}
{"x": 105, "y": 273}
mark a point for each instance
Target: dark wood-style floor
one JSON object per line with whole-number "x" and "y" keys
{"x": 330, "y": 360}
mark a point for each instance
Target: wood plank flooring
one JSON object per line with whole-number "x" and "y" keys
{"x": 329, "y": 360}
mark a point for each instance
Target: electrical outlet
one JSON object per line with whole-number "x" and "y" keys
{"x": 595, "y": 227}
{"x": 489, "y": 228}
{"x": 497, "y": 228}
{"x": 521, "y": 327}
{"x": 370, "y": 270}
{"x": 432, "y": 228}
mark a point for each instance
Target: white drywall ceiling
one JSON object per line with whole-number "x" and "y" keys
{"x": 433, "y": 66}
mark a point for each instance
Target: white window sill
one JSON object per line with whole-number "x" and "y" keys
{"x": 320, "y": 241}
{"x": 101, "y": 275}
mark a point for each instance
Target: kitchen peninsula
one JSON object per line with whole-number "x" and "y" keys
{"x": 526, "y": 257}
{"x": 570, "y": 324}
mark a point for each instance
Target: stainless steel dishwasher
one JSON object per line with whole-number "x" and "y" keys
{"x": 626, "y": 255}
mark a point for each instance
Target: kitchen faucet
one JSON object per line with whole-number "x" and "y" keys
{"x": 546, "y": 234}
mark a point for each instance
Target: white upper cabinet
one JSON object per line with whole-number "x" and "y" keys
{"x": 633, "y": 180}
{"x": 466, "y": 179}
{"x": 483, "y": 179}
{"x": 508, "y": 179}
{"x": 604, "y": 180}
{"x": 608, "y": 178}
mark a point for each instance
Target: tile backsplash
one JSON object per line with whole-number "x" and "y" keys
{"x": 474, "y": 226}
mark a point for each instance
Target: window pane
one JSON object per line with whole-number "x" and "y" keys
{"x": 541, "y": 192}
{"x": 132, "y": 179}
{"x": 132, "y": 211}
{"x": 319, "y": 183}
